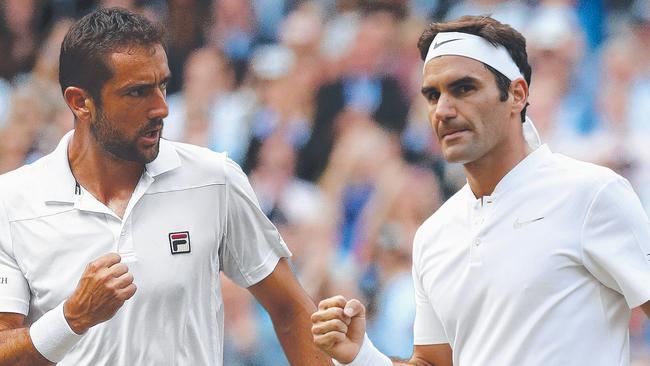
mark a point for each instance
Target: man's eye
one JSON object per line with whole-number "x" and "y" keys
{"x": 136, "y": 92}
{"x": 433, "y": 96}
{"x": 462, "y": 89}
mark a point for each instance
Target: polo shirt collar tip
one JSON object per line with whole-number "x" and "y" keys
{"x": 166, "y": 160}
{"x": 60, "y": 181}
{"x": 60, "y": 200}
{"x": 522, "y": 170}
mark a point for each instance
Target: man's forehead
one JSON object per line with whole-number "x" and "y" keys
{"x": 138, "y": 61}
{"x": 138, "y": 53}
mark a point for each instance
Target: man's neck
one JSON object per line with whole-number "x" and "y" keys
{"x": 484, "y": 174}
{"x": 109, "y": 179}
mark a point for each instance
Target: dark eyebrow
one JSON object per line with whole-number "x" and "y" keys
{"x": 428, "y": 89}
{"x": 463, "y": 81}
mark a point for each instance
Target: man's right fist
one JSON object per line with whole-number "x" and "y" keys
{"x": 339, "y": 327}
{"x": 103, "y": 288}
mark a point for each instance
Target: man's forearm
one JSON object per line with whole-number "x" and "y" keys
{"x": 17, "y": 349}
{"x": 293, "y": 331}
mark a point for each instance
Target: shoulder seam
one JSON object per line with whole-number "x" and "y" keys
{"x": 41, "y": 216}
{"x": 187, "y": 188}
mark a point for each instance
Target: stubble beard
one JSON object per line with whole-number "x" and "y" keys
{"x": 119, "y": 146}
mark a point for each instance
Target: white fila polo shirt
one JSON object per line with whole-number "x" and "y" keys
{"x": 192, "y": 214}
{"x": 542, "y": 272}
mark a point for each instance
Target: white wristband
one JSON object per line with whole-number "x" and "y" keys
{"x": 52, "y": 336}
{"x": 368, "y": 356}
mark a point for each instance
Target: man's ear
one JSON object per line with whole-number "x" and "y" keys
{"x": 80, "y": 102}
{"x": 519, "y": 91}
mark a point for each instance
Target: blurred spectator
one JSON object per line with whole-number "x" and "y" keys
{"x": 269, "y": 14}
{"x": 364, "y": 86}
{"x": 362, "y": 153}
{"x": 561, "y": 98}
{"x": 240, "y": 325}
{"x": 37, "y": 116}
{"x": 210, "y": 111}
{"x": 233, "y": 30}
{"x": 299, "y": 210}
{"x": 280, "y": 108}
{"x": 513, "y": 12}
{"x": 186, "y": 21}
{"x": 397, "y": 210}
{"x": 20, "y": 32}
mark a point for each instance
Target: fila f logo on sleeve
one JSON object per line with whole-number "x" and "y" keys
{"x": 179, "y": 242}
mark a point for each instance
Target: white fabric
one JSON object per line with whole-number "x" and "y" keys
{"x": 368, "y": 356}
{"x": 530, "y": 134}
{"x": 48, "y": 235}
{"x": 52, "y": 336}
{"x": 542, "y": 272}
{"x": 474, "y": 47}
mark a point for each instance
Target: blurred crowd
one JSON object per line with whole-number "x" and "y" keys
{"x": 319, "y": 102}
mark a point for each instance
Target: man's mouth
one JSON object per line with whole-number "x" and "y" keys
{"x": 152, "y": 133}
{"x": 453, "y": 133}
{"x": 152, "y": 136}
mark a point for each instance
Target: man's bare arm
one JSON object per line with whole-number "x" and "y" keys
{"x": 16, "y": 347}
{"x": 290, "y": 308}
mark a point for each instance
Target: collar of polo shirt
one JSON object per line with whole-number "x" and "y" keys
{"x": 522, "y": 173}
{"x": 61, "y": 182}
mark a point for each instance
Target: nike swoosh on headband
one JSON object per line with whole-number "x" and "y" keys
{"x": 443, "y": 42}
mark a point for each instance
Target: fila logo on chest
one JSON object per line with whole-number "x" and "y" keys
{"x": 179, "y": 242}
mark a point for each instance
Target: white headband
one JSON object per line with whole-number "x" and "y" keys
{"x": 474, "y": 47}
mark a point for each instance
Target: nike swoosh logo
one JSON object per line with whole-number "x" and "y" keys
{"x": 443, "y": 42}
{"x": 518, "y": 224}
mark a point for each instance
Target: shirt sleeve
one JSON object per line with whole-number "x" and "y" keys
{"x": 427, "y": 327}
{"x": 252, "y": 246}
{"x": 14, "y": 289}
{"x": 616, "y": 242}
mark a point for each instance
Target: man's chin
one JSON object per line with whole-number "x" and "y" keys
{"x": 455, "y": 155}
{"x": 150, "y": 154}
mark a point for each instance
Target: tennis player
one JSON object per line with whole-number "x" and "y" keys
{"x": 115, "y": 206}
{"x": 538, "y": 259}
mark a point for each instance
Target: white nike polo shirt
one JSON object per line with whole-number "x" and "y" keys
{"x": 543, "y": 272}
{"x": 192, "y": 214}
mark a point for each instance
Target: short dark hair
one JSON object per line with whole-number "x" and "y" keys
{"x": 90, "y": 40}
{"x": 494, "y": 32}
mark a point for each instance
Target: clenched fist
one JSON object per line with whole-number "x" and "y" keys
{"x": 339, "y": 327}
{"x": 103, "y": 288}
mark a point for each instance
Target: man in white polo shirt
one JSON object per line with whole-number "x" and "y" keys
{"x": 116, "y": 206}
{"x": 538, "y": 259}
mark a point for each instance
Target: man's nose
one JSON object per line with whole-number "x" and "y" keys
{"x": 445, "y": 108}
{"x": 159, "y": 108}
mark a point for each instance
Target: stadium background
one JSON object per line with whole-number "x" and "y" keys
{"x": 319, "y": 102}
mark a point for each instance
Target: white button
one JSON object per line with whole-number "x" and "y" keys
{"x": 477, "y": 242}
{"x": 123, "y": 233}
